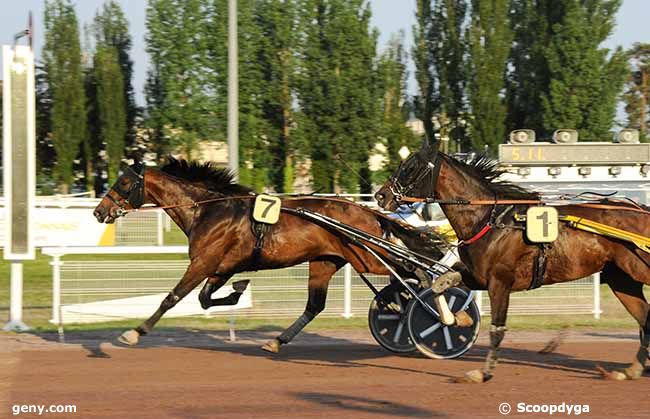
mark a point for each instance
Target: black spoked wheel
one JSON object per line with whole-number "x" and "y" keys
{"x": 431, "y": 337}
{"x": 387, "y": 319}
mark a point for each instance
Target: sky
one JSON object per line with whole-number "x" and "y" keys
{"x": 389, "y": 16}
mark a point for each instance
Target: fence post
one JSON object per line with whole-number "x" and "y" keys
{"x": 56, "y": 288}
{"x": 347, "y": 291}
{"x": 597, "y": 310}
{"x": 159, "y": 227}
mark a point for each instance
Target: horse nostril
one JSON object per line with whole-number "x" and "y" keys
{"x": 379, "y": 197}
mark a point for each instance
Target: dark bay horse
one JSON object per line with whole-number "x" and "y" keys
{"x": 222, "y": 239}
{"x": 499, "y": 257}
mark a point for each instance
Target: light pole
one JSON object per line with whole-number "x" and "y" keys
{"x": 233, "y": 91}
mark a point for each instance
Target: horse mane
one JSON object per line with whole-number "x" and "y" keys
{"x": 208, "y": 174}
{"x": 486, "y": 171}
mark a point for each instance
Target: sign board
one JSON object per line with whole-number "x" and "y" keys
{"x": 19, "y": 165}
{"x": 67, "y": 227}
{"x": 545, "y": 154}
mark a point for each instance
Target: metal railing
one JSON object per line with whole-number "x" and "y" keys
{"x": 280, "y": 292}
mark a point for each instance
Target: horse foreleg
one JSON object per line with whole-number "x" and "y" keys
{"x": 499, "y": 292}
{"x": 193, "y": 276}
{"x": 320, "y": 274}
{"x": 213, "y": 284}
{"x": 630, "y": 294}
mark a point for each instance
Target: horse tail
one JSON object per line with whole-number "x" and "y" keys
{"x": 425, "y": 242}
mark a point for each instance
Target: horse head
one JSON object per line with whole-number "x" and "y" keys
{"x": 416, "y": 176}
{"x": 126, "y": 193}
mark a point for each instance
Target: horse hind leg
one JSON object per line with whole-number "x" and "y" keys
{"x": 214, "y": 283}
{"x": 320, "y": 273}
{"x": 630, "y": 294}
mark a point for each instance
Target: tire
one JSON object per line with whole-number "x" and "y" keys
{"x": 387, "y": 323}
{"x": 431, "y": 337}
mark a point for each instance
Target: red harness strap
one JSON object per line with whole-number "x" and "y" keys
{"x": 478, "y": 235}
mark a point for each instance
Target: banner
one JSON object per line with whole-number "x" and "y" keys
{"x": 68, "y": 227}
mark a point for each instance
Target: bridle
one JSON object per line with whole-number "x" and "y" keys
{"x": 134, "y": 195}
{"x": 400, "y": 191}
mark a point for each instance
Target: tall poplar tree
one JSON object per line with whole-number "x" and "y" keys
{"x": 111, "y": 107}
{"x": 392, "y": 75}
{"x": 336, "y": 92}
{"x": 176, "y": 43}
{"x": 637, "y": 92}
{"x": 62, "y": 63}
{"x": 585, "y": 79}
{"x": 489, "y": 38}
{"x": 111, "y": 29}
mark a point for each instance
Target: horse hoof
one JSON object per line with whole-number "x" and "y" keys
{"x": 473, "y": 377}
{"x": 130, "y": 337}
{"x": 272, "y": 346}
{"x": 463, "y": 319}
{"x": 240, "y": 286}
{"x": 611, "y": 375}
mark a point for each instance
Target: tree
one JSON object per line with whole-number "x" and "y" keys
{"x": 111, "y": 107}
{"x": 392, "y": 75}
{"x": 585, "y": 80}
{"x": 181, "y": 106}
{"x": 449, "y": 60}
{"x": 276, "y": 20}
{"x": 111, "y": 29}
{"x": 637, "y": 92}
{"x": 337, "y": 93}
{"x": 423, "y": 41}
{"x": 489, "y": 38}
{"x": 62, "y": 62}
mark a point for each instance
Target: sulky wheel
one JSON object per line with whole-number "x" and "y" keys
{"x": 433, "y": 338}
{"x": 387, "y": 319}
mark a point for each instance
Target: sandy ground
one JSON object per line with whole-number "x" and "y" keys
{"x": 334, "y": 374}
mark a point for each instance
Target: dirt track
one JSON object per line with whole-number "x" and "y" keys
{"x": 187, "y": 373}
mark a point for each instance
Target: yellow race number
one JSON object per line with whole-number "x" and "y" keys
{"x": 267, "y": 209}
{"x": 541, "y": 224}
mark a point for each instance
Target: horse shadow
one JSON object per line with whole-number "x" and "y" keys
{"x": 313, "y": 348}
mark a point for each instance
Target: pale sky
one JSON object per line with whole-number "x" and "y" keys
{"x": 389, "y": 16}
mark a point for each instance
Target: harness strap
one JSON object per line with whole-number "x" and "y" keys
{"x": 539, "y": 268}
{"x": 478, "y": 235}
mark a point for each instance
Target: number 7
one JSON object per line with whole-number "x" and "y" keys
{"x": 268, "y": 208}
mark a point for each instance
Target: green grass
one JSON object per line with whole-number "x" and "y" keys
{"x": 38, "y": 299}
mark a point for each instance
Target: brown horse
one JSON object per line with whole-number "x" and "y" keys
{"x": 215, "y": 214}
{"x": 502, "y": 260}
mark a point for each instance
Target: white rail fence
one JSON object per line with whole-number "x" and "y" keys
{"x": 85, "y": 289}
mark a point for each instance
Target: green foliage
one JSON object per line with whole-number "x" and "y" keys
{"x": 584, "y": 82}
{"x": 424, "y": 38}
{"x": 62, "y": 61}
{"x": 637, "y": 91}
{"x": 391, "y": 69}
{"x": 336, "y": 91}
{"x": 111, "y": 28}
{"x": 111, "y": 106}
{"x": 489, "y": 38}
{"x": 277, "y": 25}
{"x": 179, "y": 105}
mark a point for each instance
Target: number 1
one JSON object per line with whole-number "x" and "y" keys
{"x": 545, "y": 223}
